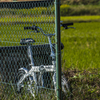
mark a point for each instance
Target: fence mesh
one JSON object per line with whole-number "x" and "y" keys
{"x": 15, "y": 55}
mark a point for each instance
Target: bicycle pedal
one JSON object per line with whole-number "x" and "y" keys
{"x": 19, "y": 91}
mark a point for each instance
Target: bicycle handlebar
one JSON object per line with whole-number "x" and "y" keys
{"x": 66, "y": 25}
{"x": 31, "y": 27}
{"x": 35, "y": 28}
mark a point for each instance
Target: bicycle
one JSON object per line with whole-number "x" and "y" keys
{"x": 29, "y": 78}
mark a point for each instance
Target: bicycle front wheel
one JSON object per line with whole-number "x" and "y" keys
{"x": 25, "y": 85}
{"x": 66, "y": 92}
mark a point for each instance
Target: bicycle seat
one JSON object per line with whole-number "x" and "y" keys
{"x": 27, "y": 41}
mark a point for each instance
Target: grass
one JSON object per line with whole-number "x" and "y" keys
{"x": 81, "y": 59}
{"x": 81, "y": 54}
{"x": 9, "y": 93}
{"x": 85, "y": 84}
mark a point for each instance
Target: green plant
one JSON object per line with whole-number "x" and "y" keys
{"x": 79, "y": 10}
{"x": 64, "y": 10}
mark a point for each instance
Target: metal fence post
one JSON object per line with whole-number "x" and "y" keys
{"x": 58, "y": 48}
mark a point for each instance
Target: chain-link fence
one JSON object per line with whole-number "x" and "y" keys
{"x": 17, "y": 41}
{"x": 27, "y": 50}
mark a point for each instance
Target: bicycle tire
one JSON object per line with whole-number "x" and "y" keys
{"x": 24, "y": 86}
{"x": 66, "y": 89}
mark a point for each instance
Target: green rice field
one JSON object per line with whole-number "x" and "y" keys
{"x": 82, "y": 46}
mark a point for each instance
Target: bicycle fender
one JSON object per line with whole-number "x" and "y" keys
{"x": 24, "y": 69}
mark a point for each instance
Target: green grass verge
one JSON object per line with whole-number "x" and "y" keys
{"x": 8, "y": 92}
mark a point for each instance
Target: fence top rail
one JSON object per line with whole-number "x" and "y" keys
{"x": 20, "y": 4}
{"x": 21, "y": 0}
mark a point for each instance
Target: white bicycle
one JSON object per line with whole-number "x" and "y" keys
{"x": 34, "y": 79}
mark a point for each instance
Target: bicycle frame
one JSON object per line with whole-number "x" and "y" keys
{"x": 40, "y": 69}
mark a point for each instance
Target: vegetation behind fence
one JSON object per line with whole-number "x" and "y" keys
{"x": 65, "y": 10}
{"x": 80, "y": 2}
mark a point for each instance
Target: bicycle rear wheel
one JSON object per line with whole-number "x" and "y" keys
{"x": 25, "y": 86}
